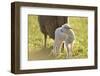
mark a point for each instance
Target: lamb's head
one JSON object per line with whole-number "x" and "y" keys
{"x": 66, "y": 27}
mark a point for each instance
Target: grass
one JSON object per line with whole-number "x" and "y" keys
{"x": 36, "y": 51}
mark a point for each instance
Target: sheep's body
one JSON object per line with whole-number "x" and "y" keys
{"x": 48, "y": 25}
{"x": 66, "y": 35}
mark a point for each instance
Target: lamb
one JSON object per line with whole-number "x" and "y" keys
{"x": 63, "y": 34}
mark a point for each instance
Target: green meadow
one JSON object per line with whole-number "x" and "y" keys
{"x": 36, "y": 50}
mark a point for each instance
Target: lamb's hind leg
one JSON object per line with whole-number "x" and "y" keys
{"x": 56, "y": 47}
{"x": 53, "y": 51}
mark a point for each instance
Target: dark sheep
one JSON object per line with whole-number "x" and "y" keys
{"x": 48, "y": 25}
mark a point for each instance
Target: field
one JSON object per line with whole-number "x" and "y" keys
{"x": 36, "y": 51}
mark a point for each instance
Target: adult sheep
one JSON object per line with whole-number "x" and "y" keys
{"x": 48, "y": 25}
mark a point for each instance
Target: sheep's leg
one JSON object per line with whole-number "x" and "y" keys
{"x": 56, "y": 47}
{"x": 53, "y": 52}
{"x": 69, "y": 50}
{"x": 45, "y": 39}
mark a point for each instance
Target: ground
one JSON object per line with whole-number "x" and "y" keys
{"x": 36, "y": 51}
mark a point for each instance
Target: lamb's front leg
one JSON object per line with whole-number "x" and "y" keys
{"x": 69, "y": 50}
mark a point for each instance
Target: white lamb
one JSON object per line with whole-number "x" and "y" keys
{"x": 66, "y": 35}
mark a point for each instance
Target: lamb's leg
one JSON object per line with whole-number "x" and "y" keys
{"x": 53, "y": 51}
{"x": 56, "y": 47}
{"x": 69, "y": 50}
